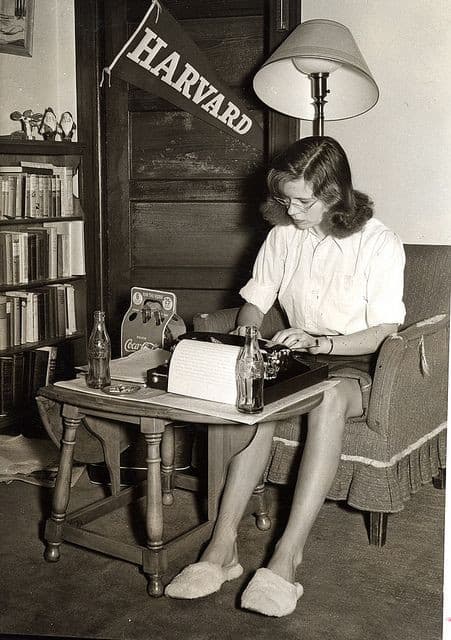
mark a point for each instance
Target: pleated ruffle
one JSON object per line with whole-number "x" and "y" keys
{"x": 363, "y": 485}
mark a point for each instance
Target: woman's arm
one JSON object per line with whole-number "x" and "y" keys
{"x": 249, "y": 314}
{"x": 354, "y": 344}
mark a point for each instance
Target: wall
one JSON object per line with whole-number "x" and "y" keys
{"x": 47, "y": 79}
{"x": 400, "y": 149}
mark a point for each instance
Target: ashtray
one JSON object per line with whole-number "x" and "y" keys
{"x": 121, "y": 389}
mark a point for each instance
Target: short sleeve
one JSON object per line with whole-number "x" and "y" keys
{"x": 386, "y": 281}
{"x": 262, "y": 289}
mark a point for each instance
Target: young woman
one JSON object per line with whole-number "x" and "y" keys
{"x": 338, "y": 274}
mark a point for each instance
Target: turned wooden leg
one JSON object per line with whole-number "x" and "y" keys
{"x": 262, "y": 519}
{"x": 154, "y": 557}
{"x": 378, "y": 528}
{"x": 167, "y": 464}
{"x": 61, "y": 493}
{"x": 439, "y": 481}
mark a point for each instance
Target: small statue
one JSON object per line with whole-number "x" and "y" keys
{"x": 49, "y": 125}
{"x": 66, "y": 126}
{"x": 29, "y": 121}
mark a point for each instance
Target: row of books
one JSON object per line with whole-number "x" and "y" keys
{"x": 22, "y": 374}
{"x": 36, "y": 190}
{"x": 40, "y": 314}
{"x": 53, "y": 250}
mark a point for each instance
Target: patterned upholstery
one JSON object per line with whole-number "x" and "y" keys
{"x": 400, "y": 444}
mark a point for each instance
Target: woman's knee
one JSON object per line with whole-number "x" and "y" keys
{"x": 343, "y": 400}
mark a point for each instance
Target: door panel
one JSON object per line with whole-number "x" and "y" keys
{"x": 177, "y": 145}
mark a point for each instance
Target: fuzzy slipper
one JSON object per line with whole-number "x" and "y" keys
{"x": 201, "y": 578}
{"x": 270, "y": 594}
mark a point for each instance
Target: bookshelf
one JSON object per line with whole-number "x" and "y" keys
{"x": 42, "y": 271}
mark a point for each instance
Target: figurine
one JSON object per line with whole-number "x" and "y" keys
{"x": 66, "y": 126}
{"x": 49, "y": 125}
{"x": 29, "y": 121}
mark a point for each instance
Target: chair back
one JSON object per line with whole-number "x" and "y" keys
{"x": 427, "y": 281}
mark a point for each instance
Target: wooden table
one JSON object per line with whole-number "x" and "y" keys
{"x": 225, "y": 439}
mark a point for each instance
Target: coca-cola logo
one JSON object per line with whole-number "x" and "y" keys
{"x": 131, "y": 346}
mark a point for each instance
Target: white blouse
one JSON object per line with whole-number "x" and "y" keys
{"x": 330, "y": 285}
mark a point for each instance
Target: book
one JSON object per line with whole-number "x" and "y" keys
{"x": 51, "y": 312}
{"x": 3, "y": 323}
{"x": 46, "y": 323}
{"x": 61, "y": 309}
{"x": 20, "y": 182}
{"x": 41, "y": 254}
{"x": 24, "y": 167}
{"x": 32, "y": 260}
{"x": 18, "y": 378}
{"x": 9, "y": 194}
{"x": 15, "y": 320}
{"x": 6, "y": 384}
{"x": 51, "y": 363}
{"x": 35, "y": 200}
{"x": 6, "y": 254}
{"x": 39, "y": 367}
{"x": 77, "y": 248}
{"x": 71, "y": 326}
{"x": 3, "y": 198}
{"x": 23, "y": 257}
{"x": 9, "y": 322}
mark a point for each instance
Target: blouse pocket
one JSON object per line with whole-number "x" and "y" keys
{"x": 348, "y": 293}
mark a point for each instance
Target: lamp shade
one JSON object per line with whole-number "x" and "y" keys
{"x": 283, "y": 82}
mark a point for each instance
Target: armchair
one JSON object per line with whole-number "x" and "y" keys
{"x": 400, "y": 444}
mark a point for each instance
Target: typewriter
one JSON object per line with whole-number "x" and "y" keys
{"x": 286, "y": 371}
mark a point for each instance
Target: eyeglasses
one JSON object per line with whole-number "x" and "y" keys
{"x": 302, "y": 205}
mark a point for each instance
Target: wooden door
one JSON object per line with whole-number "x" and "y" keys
{"x": 181, "y": 197}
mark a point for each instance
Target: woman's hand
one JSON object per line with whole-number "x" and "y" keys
{"x": 295, "y": 339}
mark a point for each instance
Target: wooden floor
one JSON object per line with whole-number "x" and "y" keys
{"x": 352, "y": 590}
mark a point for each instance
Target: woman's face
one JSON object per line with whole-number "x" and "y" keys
{"x": 304, "y": 209}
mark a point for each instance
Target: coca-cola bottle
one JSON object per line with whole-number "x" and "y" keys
{"x": 99, "y": 354}
{"x": 250, "y": 373}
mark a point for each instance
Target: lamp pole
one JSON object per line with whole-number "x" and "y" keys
{"x": 319, "y": 93}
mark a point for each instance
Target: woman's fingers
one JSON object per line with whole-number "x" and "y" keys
{"x": 294, "y": 338}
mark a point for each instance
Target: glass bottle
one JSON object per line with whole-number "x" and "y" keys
{"x": 99, "y": 354}
{"x": 250, "y": 373}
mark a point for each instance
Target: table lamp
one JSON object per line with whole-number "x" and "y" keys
{"x": 319, "y": 57}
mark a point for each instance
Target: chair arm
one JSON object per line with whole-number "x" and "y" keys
{"x": 409, "y": 394}
{"x": 224, "y": 321}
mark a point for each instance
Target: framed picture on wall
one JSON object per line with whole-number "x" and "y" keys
{"x": 16, "y": 27}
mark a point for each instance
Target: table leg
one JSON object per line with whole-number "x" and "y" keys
{"x": 154, "y": 557}
{"x": 167, "y": 464}
{"x": 61, "y": 494}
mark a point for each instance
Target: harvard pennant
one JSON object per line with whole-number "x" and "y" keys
{"x": 162, "y": 59}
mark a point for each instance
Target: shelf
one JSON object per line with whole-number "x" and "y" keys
{"x": 38, "y": 283}
{"x": 30, "y": 221}
{"x": 29, "y": 346}
{"x": 40, "y": 147}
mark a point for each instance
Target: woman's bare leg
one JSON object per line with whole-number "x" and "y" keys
{"x": 244, "y": 473}
{"x": 316, "y": 472}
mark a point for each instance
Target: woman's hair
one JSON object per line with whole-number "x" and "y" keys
{"x": 323, "y": 164}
